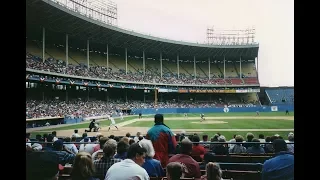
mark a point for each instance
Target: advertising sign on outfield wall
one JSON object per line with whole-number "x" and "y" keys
{"x": 274, "y": 108}
{"x": 241, "y": 91}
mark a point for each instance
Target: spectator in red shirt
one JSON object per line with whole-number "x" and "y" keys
{"x": 190, "y": 167}
{"x": 197, "y": 150}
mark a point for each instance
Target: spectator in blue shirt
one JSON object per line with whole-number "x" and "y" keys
{"x": 255, "y": 148}
{"x": 64, "y": 155}
{"x": 280, "y": 167}
{"x": 152, "y": 166}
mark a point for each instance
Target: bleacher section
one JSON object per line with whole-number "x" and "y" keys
{"x": 280, "y": 95}
{"x": 78, "y": 56}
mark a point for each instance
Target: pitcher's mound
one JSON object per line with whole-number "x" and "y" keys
{"x": 209, "y": 122}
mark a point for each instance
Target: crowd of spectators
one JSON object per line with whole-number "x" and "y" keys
{"x": 109, "y": 157}
{"x": 152, "y": 74}
{"x": 78, "y": 107}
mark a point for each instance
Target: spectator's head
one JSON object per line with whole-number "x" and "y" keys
{"x": 268, "y": 139}
{"x": 117, "y": 138}
{"x": 261, "y": 136}
{"x": 213, "y": 171}
{"x": 221, "y": 138}
{"x": 84, "y": 135}
{"x": 131, "y": 141}
{"x": 82, "y": 167}
{"x": 158, "y": 119}
{"x": 138, "y": 134}
{"x": 249, "y": 136}
{"x": 279, "y": 145}
{"x": 239, "y": 138}
{"x": 28, "y": 135}
{"x": 76, "y": 131}
{"x": 54, "y": 133}
{"x": 111, "y": 137}
{"x": 103, "y": 141}
{"x": 205, "y": 137}
{"x": 195, "y": 140}
{"x": 38, "y": 137}
{"x": 291, "y": 137}
{"x": 128, "y": 135}
{"x": 109, "y": 148}
{"x": 174, "y": 171}
{"x": 50, "y": 138}
{"x": 122, "y": 147}
{"x": 147, "y": 144}
{"x": 273, "y": 138}
{"x": 73, "y": 139}
{"x": 67, "y": 139}
{"x": 45, "y": 135}
{"x": 42, "y": 166}
{"x": 125, "y": 139}
{"x": 136, "y": 153}
{"x": 186, "y": 147}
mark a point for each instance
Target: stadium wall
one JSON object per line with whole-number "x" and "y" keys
{"x": 214, "y": 110}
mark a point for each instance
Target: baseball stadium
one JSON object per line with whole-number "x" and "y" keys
{"x": 83, "y": 72}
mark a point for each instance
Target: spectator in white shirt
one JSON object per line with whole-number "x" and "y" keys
{"x": 136, "y": 138}
{"x": 54, "y": 133}
{"x": 75, "y": 134}
{"x": 87, "y": 147}
{"x": 131, "y": 166}
{"x": 85, "y": 135}
{"x": 71, "y": 147}
{"x": 261, "y": 139}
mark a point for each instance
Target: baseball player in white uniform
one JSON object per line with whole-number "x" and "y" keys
{"x": 121, "y": 115}
{"x": 185, "y": 115}
{"x": 113, "y": 123}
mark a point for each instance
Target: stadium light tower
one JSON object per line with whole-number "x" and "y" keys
{"x": 230, "y": 37}
{"x": 102, "y": 10}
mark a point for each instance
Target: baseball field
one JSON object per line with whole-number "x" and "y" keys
{"x": 228, "y": 124}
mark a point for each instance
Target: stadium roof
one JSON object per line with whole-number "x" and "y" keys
{"x": 56, "y": 18}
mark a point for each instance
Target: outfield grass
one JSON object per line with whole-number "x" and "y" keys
{"x": 103, "y": 122}
{"x": 231, "y": 124}
{"x": 239, "y": 123}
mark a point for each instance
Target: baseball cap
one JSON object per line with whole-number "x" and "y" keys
{"x": 41, "y": 165}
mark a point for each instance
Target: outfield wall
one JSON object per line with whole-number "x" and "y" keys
{"x": 280, "y": 108}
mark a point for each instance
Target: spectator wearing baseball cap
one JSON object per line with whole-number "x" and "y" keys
{"x": 163, "y": 140}
{"x": 64, "y": 156}
{"x": 281, "y": 166}
{"x": 42, "y": 166}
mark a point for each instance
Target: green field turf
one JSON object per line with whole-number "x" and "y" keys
{"x": 239, "y": 123}
{"x": 231, "y": 124}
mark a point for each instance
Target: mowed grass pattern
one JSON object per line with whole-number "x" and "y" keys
{"x": 231, "y": 124}
{"x": 239, "y": 123}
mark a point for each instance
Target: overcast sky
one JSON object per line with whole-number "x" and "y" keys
{"x": 188, "y": 20}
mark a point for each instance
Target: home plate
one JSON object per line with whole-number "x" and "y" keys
{"x": 209, "y": 122}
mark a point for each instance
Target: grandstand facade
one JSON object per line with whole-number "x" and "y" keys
{"x": 70, "y": 56}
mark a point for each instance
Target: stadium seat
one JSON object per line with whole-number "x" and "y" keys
{"x": 241, "y": 175}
